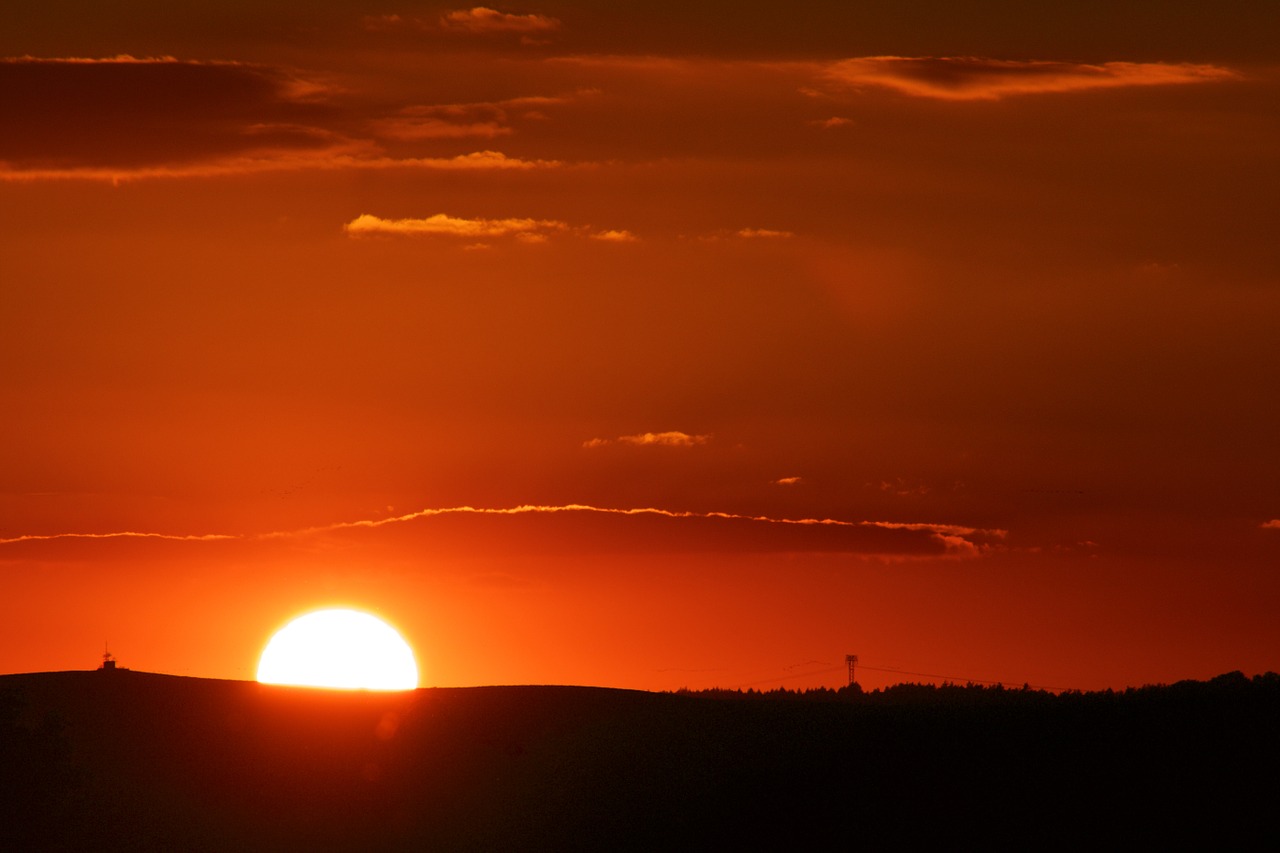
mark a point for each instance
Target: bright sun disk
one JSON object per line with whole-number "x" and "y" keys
{"x": 339, "y": 648}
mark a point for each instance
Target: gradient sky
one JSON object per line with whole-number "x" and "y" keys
{"x": 644, "y": 344}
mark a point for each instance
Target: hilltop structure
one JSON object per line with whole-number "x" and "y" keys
{"x": 109, "y": 662}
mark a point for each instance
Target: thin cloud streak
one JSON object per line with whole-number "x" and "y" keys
{"x": 524, "y": 229}
{"x": 475, "y": 118}
{"x": 748, "y": 234}
{"x": 478, "y": 20}
{"x": 285, "y": 162}
{"x": 954, "y": 538}
{"x": 451, "y": 226}
{"x": 125, "y": 534}
{"x": 969, "y": 78}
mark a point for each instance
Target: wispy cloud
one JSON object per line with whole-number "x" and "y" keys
{"x": 483, "y": 119}
{"x": 652, "y": 439}
{"x": 416, "y": 123}
{"x": 622, "y": 236}
{"x": 213, "y": 78}
{"x": 125, "y": 118}
{"x": 788, "y": 481}
{"x": 903, "y": 488}
{"x": 475, "y": 160}
{"x": 948, "y": 539}
{"x": 451, "y": 226}
{"x": 526, "y": 230}
{"x": 760, "y": 234}
{"x": 478, "y": 20}
{"x": 482, "y": 19}
{"x": 353, "y": 157}
{"x": 955, "y": 538}
{"x": 124, "y": 111}
{"x": 125, "y": 534}
{"x": 1273, "y": 524}
{"x": 968, "y": 78}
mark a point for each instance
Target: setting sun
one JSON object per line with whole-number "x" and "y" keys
{"x": 339, "y": 648}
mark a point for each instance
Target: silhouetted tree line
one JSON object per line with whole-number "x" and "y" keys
{"x": 1231, "y": 685}
{"x": 1152, "y": 762}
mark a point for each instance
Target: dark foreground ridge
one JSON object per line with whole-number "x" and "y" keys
{"x": 138, "y": 761}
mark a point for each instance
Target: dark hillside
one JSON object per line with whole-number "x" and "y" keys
{"x": 137, "y": 761}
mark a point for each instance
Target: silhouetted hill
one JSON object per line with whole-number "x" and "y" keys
{"x": 138, "y": 761}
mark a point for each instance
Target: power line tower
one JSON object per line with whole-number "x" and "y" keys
{"x": 852, "y": 661}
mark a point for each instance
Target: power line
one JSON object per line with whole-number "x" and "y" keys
{"x": 789, "y": 677}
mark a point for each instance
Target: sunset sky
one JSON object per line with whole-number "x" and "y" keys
{"x": 645, "y": 345}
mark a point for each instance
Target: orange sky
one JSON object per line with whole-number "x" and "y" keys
{"x": 994, "y": 295}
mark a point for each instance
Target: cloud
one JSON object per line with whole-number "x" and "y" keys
{"x": 745, "y": 234}
{"x": 124, "y": 111}
{"x": 615, "y": 236}
{"x": 483, "y": 20}
{"x": 1273, "y": 524}
{"x": 652, "y": 439}
{"x": 437, "y": 123}
{"x": 478, "y": 21}
{"x": 532, "y": 101}
{"x": 346, "y": 156}
{"x": 830, "y": 123}
{"x": 869, "y": 538}
{"x": 486, "y": 119}
{"x": 788, "y": 481}
{"x": 441, "y": 224}
{"x": 124, "y": 534}
{"x": 967, "y": 78}
{"x": 481, "y": 160}
{"x": 451, "y": 226}
{"x": 956, "y": 539}
{"x": 903, "y": 488}
{"x": 665, "y": 439}
{"x": 125, "y": 118}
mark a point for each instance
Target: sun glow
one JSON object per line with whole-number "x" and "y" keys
{"x": 339, "y": 648}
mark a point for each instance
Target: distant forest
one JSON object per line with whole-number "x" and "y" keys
{"x": 1231, "y": 685}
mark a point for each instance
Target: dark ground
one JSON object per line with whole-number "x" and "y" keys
{"x": 137, "y": 761}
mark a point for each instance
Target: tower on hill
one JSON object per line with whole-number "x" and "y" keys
{"x": 108, "y": 662}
